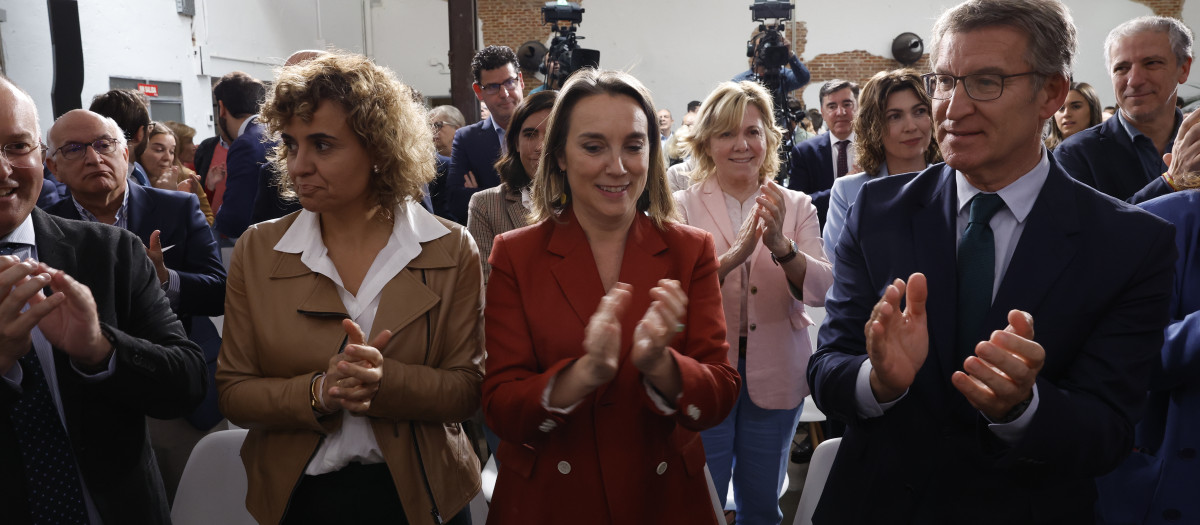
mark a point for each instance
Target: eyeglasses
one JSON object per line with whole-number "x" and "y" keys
{"x": 76, "y": 150}
{"x": 437, "y": 126}
{"x": 980, "y": 86}
{"x": 21, "y": 154}
{"x": 508, "y": 85}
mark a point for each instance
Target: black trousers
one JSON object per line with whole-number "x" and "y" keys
{"x": 361, "y": 494}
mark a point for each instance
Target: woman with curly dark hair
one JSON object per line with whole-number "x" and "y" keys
{"x": 352, "y": 338}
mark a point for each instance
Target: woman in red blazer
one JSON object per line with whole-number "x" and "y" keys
{"x": 605, "y": 333}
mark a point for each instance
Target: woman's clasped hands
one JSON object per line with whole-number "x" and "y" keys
{"x": 353, "y": 377}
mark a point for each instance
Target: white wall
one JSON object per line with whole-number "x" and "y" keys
{"x": 413, "y": 38}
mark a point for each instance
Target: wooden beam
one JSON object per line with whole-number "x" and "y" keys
{"x": 463, "y": 14}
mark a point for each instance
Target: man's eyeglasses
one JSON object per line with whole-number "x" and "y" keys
{"x": 23, "y": 154}
{"x": 980, "y": 86}
{"x": 508, "y": 85}
{"x": 76, "y": 150}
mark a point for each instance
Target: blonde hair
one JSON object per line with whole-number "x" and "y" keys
{"x": 392, "y": 127}
{"x": 552, "y": 191}
{"x": 723, "y": 111}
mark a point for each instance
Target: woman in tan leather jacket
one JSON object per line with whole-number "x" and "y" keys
{"x": 352, "y": 330}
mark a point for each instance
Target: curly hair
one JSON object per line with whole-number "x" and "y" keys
{"x": 392, "y": 127}
{"x": 492, "y": 57}
{"x": 552, "y": 190}
{"x": 509, "y": 167}
{"x": 870, "y": 125}
{"x": 723, "y": 111}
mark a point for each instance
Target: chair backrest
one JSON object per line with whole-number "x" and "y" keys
{"x": 814, "y": 483}
{"x": 213, "y": 487}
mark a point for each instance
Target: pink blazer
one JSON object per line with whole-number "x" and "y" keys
{"x": 777, "y": 346}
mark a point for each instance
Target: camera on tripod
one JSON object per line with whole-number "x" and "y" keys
{"x": 769, "y": 48}
{"x": 565, "y": 56}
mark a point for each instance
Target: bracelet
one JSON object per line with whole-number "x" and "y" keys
{"x": 314, "y": 398}
{"x": 1170, "y": 183}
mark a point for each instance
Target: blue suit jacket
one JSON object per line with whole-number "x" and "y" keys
{"x": 1161, "y": 475}
{"x": 1103, "y": 157}
{"x": 246, "y": 157}
{"x": 811, "y": 171}
{"x": 476, "y": 149}
{"x": 194, "y": 256}
{"x": 1094, "y": 273}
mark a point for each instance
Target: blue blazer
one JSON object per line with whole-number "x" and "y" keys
{"x": 811, "y": 171}
{"x": 1103, "y": 157}
{"x": 1094, "y": 273}
{"x": 246, "y": 157}
{"x": 476, "y": 149}
{"x": 194, "y": 256}
{"x": 1159, "y": 479}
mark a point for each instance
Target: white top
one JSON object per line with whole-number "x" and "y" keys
{"x": 354, "y": 441}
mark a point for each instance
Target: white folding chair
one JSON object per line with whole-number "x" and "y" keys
{"x": 814, "y": 483}
{"x": 213, "y": 487}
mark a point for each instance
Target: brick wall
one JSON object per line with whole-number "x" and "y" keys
{"x": 512, "y": 23}
{"x": 1173, "y": 8}
{"x": 858, "y": 66}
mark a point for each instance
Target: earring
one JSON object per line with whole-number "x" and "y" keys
{"x": 562, "y": 199}
{"x": 375, "y": 169}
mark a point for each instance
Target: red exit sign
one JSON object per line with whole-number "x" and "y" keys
{"x": 150, "y": 90}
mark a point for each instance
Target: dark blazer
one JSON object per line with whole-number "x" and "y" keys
{"x": 246, "y": 157}
{"x": 268, "y": 204}
{"x": 437, "y": 189}
{"x": 616, "y": 458}
{"x": 1103, "y": 157}
{"x": 1094, "y": 273}
{"x": 194, "y": 256}
{"x": 476, "y": 149}
{"x": 159, "y": 373}
{"x": 1158, "y": 480}
{"x": 811, "y": 171}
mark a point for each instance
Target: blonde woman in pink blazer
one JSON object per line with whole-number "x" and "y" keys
{"x": 768, "y": 242}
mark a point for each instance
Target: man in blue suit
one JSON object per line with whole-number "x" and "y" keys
{"x": 169, "y": 223}
{"x": 1148, "y": 58}
{"x": 499, "y": 84}
{"x": 238, "y": 96}
{"x": 957, "y": 411}
{"x": 1157, "y": 483}
{"x": 817, "y": 161}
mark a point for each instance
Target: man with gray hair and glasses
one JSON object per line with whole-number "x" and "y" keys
{"x": 84, "y": 365}
{"x": 1148, "y": 58}
{"x": 957, "y": 411}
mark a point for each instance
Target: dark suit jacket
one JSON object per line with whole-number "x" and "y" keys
{"x": 194, "y": 256}
{"x": 811, "y": 171}
{"x": 267, "y": 202}
{"x": 476, "y": 149}
{"x": 159, "y": 373}
{"x": 1094, "y": 273}
{"x": 1160, "y": 476}
{"x": 627, "y": 461}
{"x": 204, "y": 155}
{"x": 1103, "y": 157}
{"x": 246, "y": 157}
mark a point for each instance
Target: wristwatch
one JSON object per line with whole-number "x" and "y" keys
{"x": 787, "y": 258}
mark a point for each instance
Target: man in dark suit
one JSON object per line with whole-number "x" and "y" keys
{"x": 498, "y": 83}
{"x": 1148, "y": 59}
{"x": 238, "y": 96}
{"x": 957, "y": 411}
{"x": 83, "y": 367}
{"x": 178, "y": 240}
{"x": 817, "y": 161}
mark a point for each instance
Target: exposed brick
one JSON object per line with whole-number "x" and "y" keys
{"x": 1172, "y": 8}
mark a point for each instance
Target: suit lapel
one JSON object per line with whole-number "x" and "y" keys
{"x": 141, "y": 208}
{"x": 933, "y": 241}
{"x": 825, "y": 151}
{"x": 53, "y": 247}
{"x": 322, "y": 299}
{"x": 576, "y": 272}
{"x": 516, "y": 211}
{"x": 714, "y": 202}
{"x": 1047, "y": 244}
